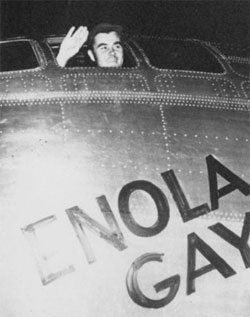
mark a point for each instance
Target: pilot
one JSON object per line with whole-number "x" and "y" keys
{"x": 105, "y": 47}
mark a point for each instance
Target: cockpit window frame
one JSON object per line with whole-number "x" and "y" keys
{"x": 38, "y": 53}
{"x": 161, "y": 69}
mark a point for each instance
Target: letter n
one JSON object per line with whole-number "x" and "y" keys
{"x": 80, "y": 219}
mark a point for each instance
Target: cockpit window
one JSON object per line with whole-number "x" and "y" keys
{"x": 17, "y": 55}
{"x": 81, "y": 59}
{"x": 179, "y": 55}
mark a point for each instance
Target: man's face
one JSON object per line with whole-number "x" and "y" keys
{"x": 108, "y": 51}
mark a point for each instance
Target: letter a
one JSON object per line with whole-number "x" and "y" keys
{"x": 235, "y": 182}
{"x": 216, "y": 262}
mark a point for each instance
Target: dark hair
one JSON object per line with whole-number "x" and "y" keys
{"x": 103, "y": 28}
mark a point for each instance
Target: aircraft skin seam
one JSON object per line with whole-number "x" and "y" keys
{"x": 166, "y": 135}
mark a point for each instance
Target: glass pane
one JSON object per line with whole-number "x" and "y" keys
{"x": 180, "y": 55}
{"x": 17, "y": 56}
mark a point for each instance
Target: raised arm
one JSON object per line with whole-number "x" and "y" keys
{"x": 71, "y": 44}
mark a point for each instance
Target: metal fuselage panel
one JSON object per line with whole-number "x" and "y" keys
{"x": 68, "y": 137}
{"x": 125, "y": 136}
{"x": 67, "y": 151}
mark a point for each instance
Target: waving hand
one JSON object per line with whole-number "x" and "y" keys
{"x": 71, "y": 44}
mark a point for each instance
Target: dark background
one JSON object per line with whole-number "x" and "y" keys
{"x": 217, "y": 21}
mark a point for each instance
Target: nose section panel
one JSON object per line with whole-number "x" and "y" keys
{"x": 67, "y": 151}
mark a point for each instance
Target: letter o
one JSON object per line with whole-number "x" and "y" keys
{"x": 161, "y": 203}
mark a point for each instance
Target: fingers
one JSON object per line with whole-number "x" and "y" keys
{"x": 72, "y": 43}
{"x": 82, "y": 32}
{"x": 70, "y": 32}
{"x": 80, "y": 36}
{"x": 83, "y": 35}
{"x": 79, "y": 31}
